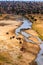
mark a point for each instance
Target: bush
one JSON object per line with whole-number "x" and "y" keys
{"x": 0, "y": 14}
{"x": 35, "y": 19}
{"x": 6, "y": 17}
{"x": 32, "y": 17}
{"x": 40, "y": 17}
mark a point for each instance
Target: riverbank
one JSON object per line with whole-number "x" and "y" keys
{"x": 37, "y": 23}
{"x": 14, "y": 49}
{"x": 33, "y": 36}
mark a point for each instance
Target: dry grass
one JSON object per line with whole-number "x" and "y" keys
{"x": 38, "y": 25}
{"x": 10, "y": 47}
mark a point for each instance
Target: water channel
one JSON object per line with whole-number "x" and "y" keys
{"x": 26, "y": 24}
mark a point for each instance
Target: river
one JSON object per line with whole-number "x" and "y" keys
{"x": 27, "y": 25}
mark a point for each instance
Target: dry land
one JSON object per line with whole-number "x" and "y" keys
{"x": 37, "y": 26}
{"x": 14, "y": 50}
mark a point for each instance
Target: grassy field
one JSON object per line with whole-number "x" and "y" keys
{"x": 14, "y": 50}
{"x": 37, "y": 23}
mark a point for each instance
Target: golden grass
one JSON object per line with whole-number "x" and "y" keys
{"x": 38, "y": 26}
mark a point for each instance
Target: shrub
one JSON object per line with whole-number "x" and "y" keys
{"x": 35, "y": 19}
{"x": 6, "y": 17}
{"x": 0, "y": 14}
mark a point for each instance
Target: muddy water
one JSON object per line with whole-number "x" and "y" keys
{"x": 27, "y": 25}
